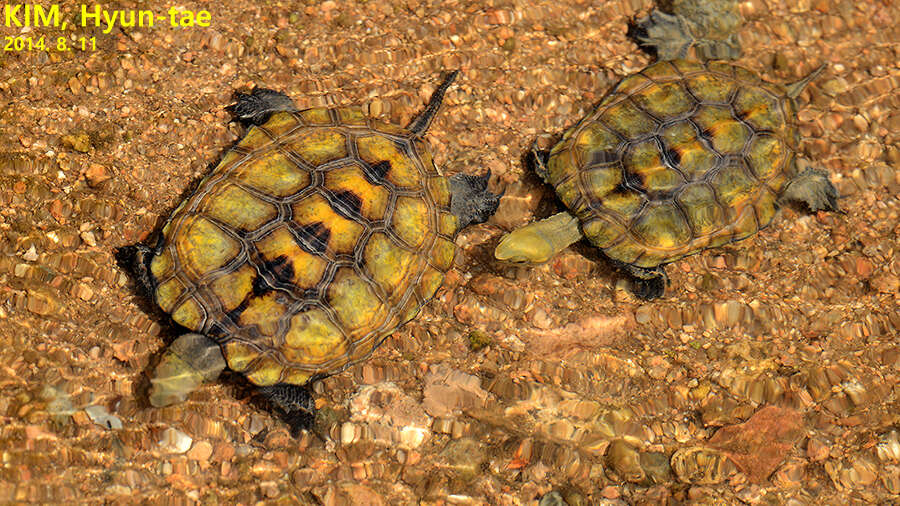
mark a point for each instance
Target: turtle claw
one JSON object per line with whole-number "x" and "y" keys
{"x": 254, "y": 108}
{"x": 813, "y": 187}
{"x": 648, "y": 289}
{"x": 538, "y": 159}
{"x": 135, "y": 259}
{"x": 704, "y": 29}
{"x": 662, "y": 35}
{"x": 470, "y": 201}
{"x": 647, "y": 284}
{"x": 296, "y": 405}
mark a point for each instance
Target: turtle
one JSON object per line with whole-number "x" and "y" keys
{"x": 317, "y": 235}
{"x": 677, "y": 158}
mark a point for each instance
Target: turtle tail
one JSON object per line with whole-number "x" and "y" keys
{"x": 420, "y": 124}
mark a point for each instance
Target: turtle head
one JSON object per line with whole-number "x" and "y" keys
{"x": 539, "y": 241}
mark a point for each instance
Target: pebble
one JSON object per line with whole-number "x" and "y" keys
{"x": 96, "y": 174}
{"x": 201, "y": 450}
{"x": 885, "y": 282}
{"x": 759, "y": 445}
{"x": 552, "y": 498}
{"x": 31, "y": 254}
{"x": 449, "y": 391}
{"x": 79, "y": 142}
{"x": 394, "y": 417}
{"x": 351, "y": 494}
{"x": 100, "y": 416}
{"x": 464, "y": 457}
{"x": 174, "y": 441}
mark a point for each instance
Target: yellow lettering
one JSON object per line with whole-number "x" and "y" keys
{"x": 47, "y": 17}
{"x": 110, "y": 22}
{"x": 145, "y": 18}
{"x": 85, "y": 15}
{"x": 10, "y": 15}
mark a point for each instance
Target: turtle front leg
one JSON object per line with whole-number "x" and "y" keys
{"x": 470, "y": 200}
{"x": 812, "y": 187}
{"x": 296, "y": 404}
{"x": 647, "y": 284}
{"x": 188, "y": 362}
{"x": 256, "y": 107}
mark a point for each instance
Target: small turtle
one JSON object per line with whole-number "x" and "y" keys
{"x": 679, "y": 157}
{"x": 317, "y": 235}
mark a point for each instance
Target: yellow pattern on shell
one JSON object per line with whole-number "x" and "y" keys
{"x": 431, "y": 281}
{"x": 375, "y": 149}
{"x": 410, "y": 221}
{"x": 355, "y": 302}
{"x": 238, "y": 208}
{"x": 317, "y": 116}
{"x": 255, "y": 139}
{"x": 448, "y": 224}
{"x": 442, "y": 254}
{"x": 189, "y": 315}
{"x": 760, "y": 109}
{"x": 272, "y": 173}
{"x": 266, "y": 371}
{"x": 319, "y": 146}
{"x": 439, "y": 189}
{"x": 664, "y": 100}
{"x": 307, "y": 268}
{"x": 343, "y": 233}
{"x": 645, "y": 161}
{"x": 710, "y": 88}
{"x": 766, "y": 156}
{"x": 260, "y": 311}
{"x": 313, "y": 339}
{"x": 239, "y": 355}
{"x": 387, "y": 262}
{"x": 350, "y": 179}
{"x": 595, "y": 145}
{"x": 203, "y": 246}
{"x": 704, "y": 214}
{"x": 167, "y": 294}
{"x": 280, "y": 123}
{"x": 233, "y": 287}
{"x": 161, "y": 265}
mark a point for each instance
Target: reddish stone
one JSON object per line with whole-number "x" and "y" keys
{"x": 759, "y": 445}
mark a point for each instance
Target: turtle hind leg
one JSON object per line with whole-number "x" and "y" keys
{"x": 470, "y": 200}
{"x": 135, "y": 259}
{"x": 537, "y": 158}
{"x": 647, "y": 284}
{"x": 254, "y": 108}
{"x": 295, "y": 403}
{"x": 812, "y": 187}
{"x": 662, "y": 35}
{"x": 706, "y": 27}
